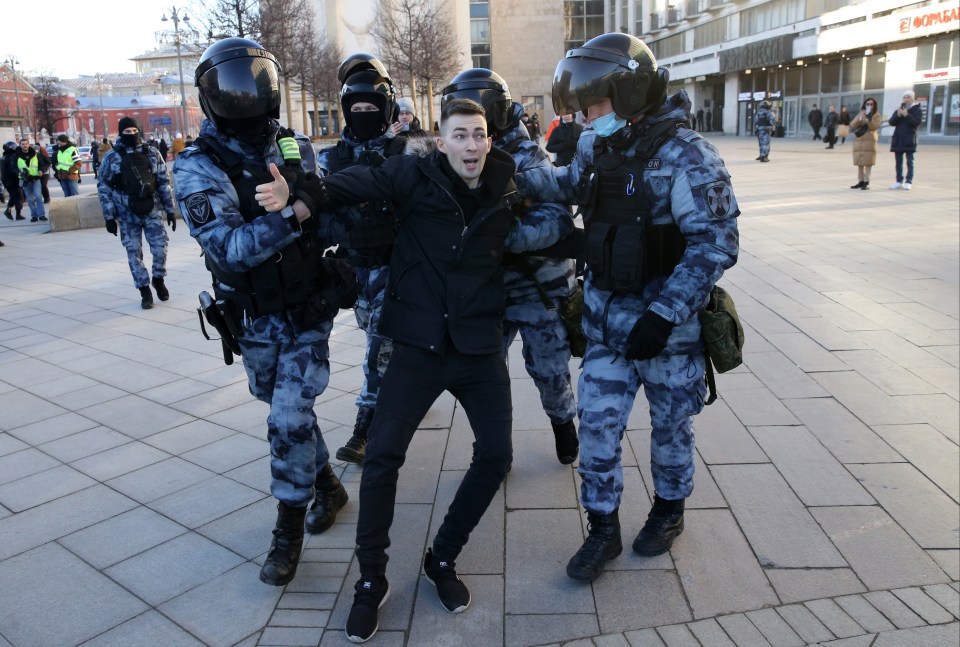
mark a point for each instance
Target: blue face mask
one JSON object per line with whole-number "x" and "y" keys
{"x": 608, "y": 124}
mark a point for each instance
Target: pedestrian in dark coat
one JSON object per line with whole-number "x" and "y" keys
{"x": 833, "y": 120}
{"x": 905, "y": 121}
{"x": 700, "y": 119}
{"x": 563, "y": 140}
{"x": 843, "y": 127}
{"x": 815, "y": 119}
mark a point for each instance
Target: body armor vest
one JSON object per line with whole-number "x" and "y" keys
{"x": 372, "y": 238}
{"x": 625, "y": 249}
{"x": 291, "y": 280}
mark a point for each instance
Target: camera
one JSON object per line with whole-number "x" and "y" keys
{"x": 903, "y": 106}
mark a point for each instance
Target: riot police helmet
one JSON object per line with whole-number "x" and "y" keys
{"x": 360, "y": 62}
{"x": 615, "y": 66}
{"x": 238, "y": 82}
{"x": 764, "y": 105}
{"x": 370, "y": 86}
{"x": 487, "y": 88}
{"x": 9, "y": 146}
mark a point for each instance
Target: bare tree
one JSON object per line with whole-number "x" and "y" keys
{"x": 396, "y": 35}
{"x": 283, "y": 36}
{"x": 226, "y": 18}
{"x": 438, "y": 58}
{"x": 321, "y": 78}
{"x": 48, "y": 106}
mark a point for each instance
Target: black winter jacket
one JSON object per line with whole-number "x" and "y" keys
{"x": 446, "y": 282}
{"x": 8, "y": 168}
{"x": 904, "y": 139}
{"x": 563, "y": 141}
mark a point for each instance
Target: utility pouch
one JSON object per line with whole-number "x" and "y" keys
{"x": 218, "y": 315}
{"x": 341, "y": 285}
{"x": 722, "y": 336}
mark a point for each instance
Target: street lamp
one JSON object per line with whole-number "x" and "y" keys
{"x": 176, "y": 17}
{"x": 12, "y": 62}
{"x": 100, "y": 87}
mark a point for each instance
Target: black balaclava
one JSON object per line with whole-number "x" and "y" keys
{"x": 129, "y": 140}
{"x": 250, "y": 130}
{"x": 367, "y": 125}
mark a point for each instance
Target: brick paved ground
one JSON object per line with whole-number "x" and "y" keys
{"x": 134, "y": 500}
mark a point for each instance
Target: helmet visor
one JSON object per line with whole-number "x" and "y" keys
{"x": 242, "y": 87}
{"x": 581, "y": 82}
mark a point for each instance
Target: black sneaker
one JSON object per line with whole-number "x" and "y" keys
{"x": 362, "y": 623}
{"x": 453, "y": 593}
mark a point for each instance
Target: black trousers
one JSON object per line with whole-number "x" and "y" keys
{"x": 414, "y": 380}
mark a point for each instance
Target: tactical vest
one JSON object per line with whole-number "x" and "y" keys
{"x": 373, "y": 237}
{"x": 291, "y": 280}
{"x": 136, "y": 179}
{"x": 625, "y": 250}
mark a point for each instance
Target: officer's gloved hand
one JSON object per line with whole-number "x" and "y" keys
{"x": 648, "y": 337}
{"x": 312, "y": 191}
{"x": 172, "y": 221}
{"x": 112, "y": 227}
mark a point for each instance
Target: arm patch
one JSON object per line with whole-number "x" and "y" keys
{"x": 198, "y": 208}
{"x": 718, "y": 198}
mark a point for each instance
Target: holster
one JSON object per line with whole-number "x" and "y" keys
{"x": 218, "y": 314}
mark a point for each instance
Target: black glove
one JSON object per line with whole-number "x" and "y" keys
{"x": 79, "y": 180}
{"x": 112, "y": 227}
{"x": 172, "y": 221}
{"x": 648, "y": 337}
{"x": 312, "y": 191}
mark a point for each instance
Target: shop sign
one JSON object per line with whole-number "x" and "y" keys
{"x": 745, "y": 96}
{"x": 927, "y": 19}
{"x": 759, "y": 54}
{"x": 938, "y": 74}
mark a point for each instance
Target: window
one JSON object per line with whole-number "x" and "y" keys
{"x": 940, "y": 53}
{"x": 771, "y": 15}
{"x": 875, "y": 77}
{"x": 792, "y": 84}
{"x": 811, "y": 79}
{"x": 533, "y": 105}
{"x": 710, "y": 34}
{"x": 852, "y": 74}
{"x": 480, "y": 33}
{"x": 583, "y": 19}
{"x": 830, "y": 76}
{"x": 669, "y": 46}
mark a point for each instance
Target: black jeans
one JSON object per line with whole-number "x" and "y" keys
{"x": 414, "y": 379}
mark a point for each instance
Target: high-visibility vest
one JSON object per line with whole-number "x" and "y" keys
{"x": 67, "y": 158}
{"x": 33, "y": 167}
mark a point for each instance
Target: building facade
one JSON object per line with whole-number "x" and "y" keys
{"x": 731, "y": 54}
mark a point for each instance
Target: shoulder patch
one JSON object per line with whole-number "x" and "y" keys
{"x": 198, "y": 208}
{"x": 719, "y": 199}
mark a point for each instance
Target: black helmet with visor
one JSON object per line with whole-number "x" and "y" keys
{"x": 619, "y": 67}
{"x": 372, "y": 86}
{"x": 238, "y": 81}
{"x": 487, "y": 88}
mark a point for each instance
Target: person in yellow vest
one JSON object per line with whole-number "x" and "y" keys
{"x": 68, "y": 166}
{"x": 29, "y": 166}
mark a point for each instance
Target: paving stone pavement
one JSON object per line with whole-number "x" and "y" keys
{"x": 134, "y": 480}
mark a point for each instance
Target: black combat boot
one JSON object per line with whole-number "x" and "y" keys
{"x": 355, "y": 448}
{"x": 162, "y": 292}
{"x": 664, "y": 523}
{"x": 146, "y": 298}
{"x": 565, "y": 437}
{"x": 284, "y": 555}
{"x": 329, "y": 498}
{"x": 601, "y": 545}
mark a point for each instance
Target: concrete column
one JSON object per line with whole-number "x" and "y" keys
{"x": 730, "y": 107}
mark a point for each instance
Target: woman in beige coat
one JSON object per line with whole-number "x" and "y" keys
{"x": 865, "y": 147}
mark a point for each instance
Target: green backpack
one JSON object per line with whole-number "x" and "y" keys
{"x": 722, "y": 336}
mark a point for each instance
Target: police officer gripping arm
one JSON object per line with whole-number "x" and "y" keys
{"x": 660, "y": 230}
{"x": 244, "y": 189}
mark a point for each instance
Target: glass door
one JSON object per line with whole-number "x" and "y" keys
{"x": 937, "y": 110}
{"x": 790, "y": 117}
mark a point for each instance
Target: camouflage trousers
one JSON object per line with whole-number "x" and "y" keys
{"x": 546, "y": 354}
{"x": 373, "y": 286}
{"x": 675, "y": 391}
{"x": 763, "y": 136}
{"x": 289, "y": 376}
{"x": 133, "y": 230}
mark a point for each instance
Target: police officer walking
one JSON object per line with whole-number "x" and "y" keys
{"x": 257, "y": 225}
{"x": 764, "y": 125}
{"x": 367, "y": 99}
{"x": 660, "y": 230}
{"x": 533, "y": 285}
{"x": 134, "y": 192}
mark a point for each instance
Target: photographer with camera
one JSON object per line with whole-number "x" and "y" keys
{"x": 247, "y": 189}
{"x": 134, "y": 193}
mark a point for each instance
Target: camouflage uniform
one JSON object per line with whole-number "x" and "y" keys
{"x": 287, "y": 367}
{"x": 115, "y": 204}
{"x": 373, "y": 280}
{"x": 763, "y": 116}
{"x": 546, "y": 351}
{"x": 688, "y": 185}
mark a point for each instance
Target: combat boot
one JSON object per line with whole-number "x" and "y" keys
{"x": 162, "y": 292}
{"x": 356, "y": 447}
{"x": 602, "y": 544}
{"x": 664, "y": 523}
{"x": 146, "y": 298}
{"x": 565, "y": 438}
{"x": 329, "y": 498}
{"x": 284, "y": 555}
